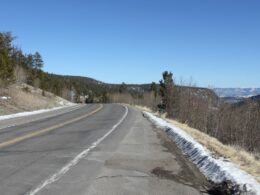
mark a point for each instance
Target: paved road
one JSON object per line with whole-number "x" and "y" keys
{"x": 94, "y": 149}
{"x": 26, "y": 119}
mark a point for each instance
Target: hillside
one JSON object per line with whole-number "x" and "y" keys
{"x": 237, "y": 92}
{"x": 255, "y": 98}
{"x": 240, "y": 100}
{"x": 22, "y": 97}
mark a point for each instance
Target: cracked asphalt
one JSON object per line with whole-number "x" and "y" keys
{"x": 135, "y": 158}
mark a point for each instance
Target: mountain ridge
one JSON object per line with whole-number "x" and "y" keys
{"x": 237, "y": 92}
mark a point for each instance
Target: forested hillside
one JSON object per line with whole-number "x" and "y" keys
{"x": 19, "y": 67}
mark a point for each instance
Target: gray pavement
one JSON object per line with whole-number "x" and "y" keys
{"x": 135, "y": 158}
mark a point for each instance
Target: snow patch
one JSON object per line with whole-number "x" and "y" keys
{"x": 216, "y": 170}
{"x": 21, "y": 114}
{"x": 5, "y": 98}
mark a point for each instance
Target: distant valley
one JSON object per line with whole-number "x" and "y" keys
{"x": 237, "y": 92}
{"x": 235, "y": 95}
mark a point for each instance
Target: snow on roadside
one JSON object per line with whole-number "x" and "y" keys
{"x": 21, "y": 114}
{"x": 5, "y": 98}
{"x": 216, "y": 170}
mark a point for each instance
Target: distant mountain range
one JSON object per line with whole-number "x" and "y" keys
{"x": 237, "y": 92}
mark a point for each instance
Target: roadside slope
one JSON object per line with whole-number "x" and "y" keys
{"x": 22, "y": 97}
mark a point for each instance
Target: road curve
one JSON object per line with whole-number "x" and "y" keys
{"x": 95, "y": 149}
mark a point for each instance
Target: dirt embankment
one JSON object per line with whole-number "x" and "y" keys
{"x": 21, "y": 97}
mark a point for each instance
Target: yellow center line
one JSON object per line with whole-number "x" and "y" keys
{"x": 48, "y": 129}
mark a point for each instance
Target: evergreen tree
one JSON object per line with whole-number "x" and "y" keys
{"x": 29, "y": 61}
{"x": 6, "y": 67}
{"x": 37, "y": 61}
{"x": 166, "y": 92}
{"x": 37, "y": 73}
{"x": 122, "y": 88}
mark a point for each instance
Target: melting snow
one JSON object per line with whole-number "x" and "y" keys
{"x": 5, "y": 98}
{"x": 21, "y": 114}
{"x": 216, "y": 170}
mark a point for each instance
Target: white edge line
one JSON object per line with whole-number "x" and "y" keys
{"x": 75, "y": 161}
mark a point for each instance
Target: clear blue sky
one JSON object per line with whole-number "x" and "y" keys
{"x": 217, "y": 42}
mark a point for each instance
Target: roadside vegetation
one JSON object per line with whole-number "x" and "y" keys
{"x": 237, "y": 154}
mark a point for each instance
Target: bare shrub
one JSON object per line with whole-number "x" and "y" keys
{"x": 20, "y": 74}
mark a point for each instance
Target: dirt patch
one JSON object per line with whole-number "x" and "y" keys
{"x": 164, "y": 174}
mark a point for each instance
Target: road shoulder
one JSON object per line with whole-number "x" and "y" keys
{"x": 142, "y": 161}
{"x": 147, "y": 162}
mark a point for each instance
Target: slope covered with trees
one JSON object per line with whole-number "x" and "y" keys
{"x": 16, "y": 66}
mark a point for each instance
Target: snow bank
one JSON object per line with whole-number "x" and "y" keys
{"x": 216, "y": 170}
{"x": 5, "y": 98}
{"x": 21, "y": 114}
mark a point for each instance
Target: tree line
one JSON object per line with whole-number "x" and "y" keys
{"x": 17, "y": 66}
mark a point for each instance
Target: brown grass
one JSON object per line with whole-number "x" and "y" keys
{"x": 27, "y": 98}
{"x": 246, "y": 161}
{"x": 143, "y": 108}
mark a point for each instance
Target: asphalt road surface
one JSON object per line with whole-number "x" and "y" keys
{"x": 92, "y": 149}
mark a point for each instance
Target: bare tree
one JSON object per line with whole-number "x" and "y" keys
{"x": 20, "y": 74}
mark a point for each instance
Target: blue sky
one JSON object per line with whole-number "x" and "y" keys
{"x": 216, "y": 42}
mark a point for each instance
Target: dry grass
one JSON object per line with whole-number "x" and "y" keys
{"x": 235, "y": 154}
{"x": 27, "y": 98}
{"x": 143, "y": 108}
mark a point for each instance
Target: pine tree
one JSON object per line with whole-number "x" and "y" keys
{"x": 166, "y": 92}
{"x": 122, "y": 88}
{"x": 6, "y": 67}
{"x": 37, "y": 73}
{"x": 37, "y": 61}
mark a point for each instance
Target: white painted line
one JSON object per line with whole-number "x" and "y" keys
{"x": 75, "y": 161}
